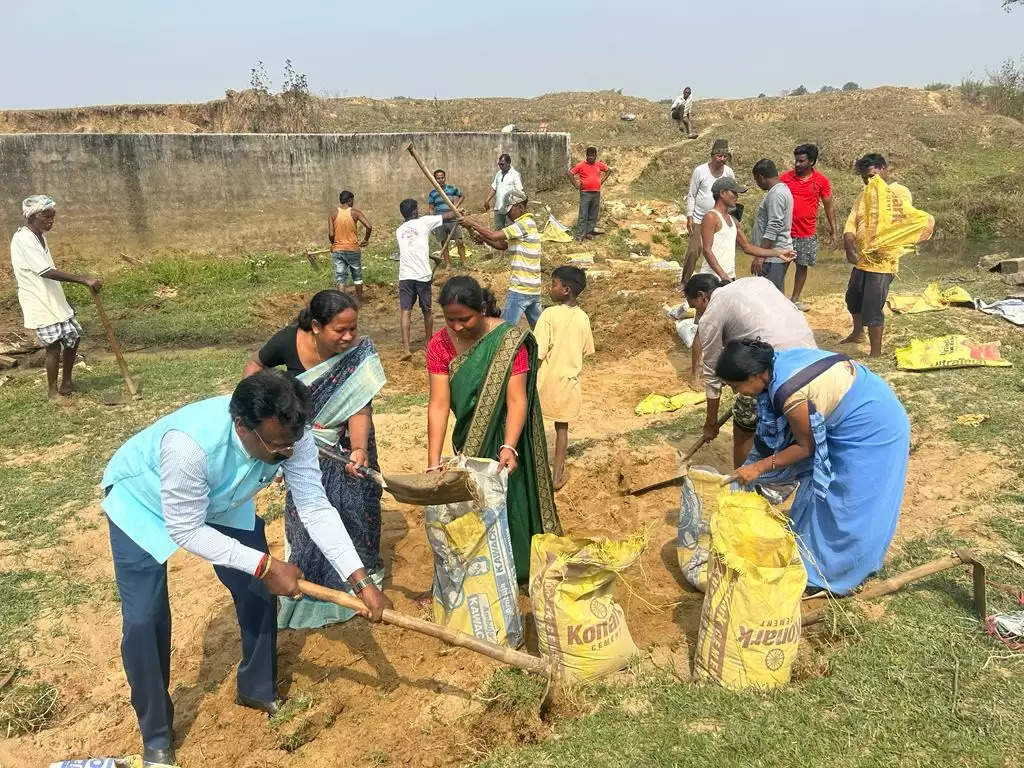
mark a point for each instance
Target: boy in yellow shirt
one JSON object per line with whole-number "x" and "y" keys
{"x": 563, "y": 340}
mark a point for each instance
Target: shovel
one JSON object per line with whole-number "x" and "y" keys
{"x": 133, "y": 391}
{"x": 422, "y": 489}
{"x": 626, "y": 487}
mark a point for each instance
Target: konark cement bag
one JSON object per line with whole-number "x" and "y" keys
{"x": 750, "y": 621}
{"x": 474, "y": 574}
{"x": 580, "y": 626}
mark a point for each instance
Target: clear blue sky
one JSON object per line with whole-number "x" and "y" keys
{"x": 63, "y": 53}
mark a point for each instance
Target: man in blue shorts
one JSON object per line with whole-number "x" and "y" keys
{"x": 449, "y": 231}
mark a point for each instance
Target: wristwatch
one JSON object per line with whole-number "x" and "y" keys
{"x": 362, "y": 584}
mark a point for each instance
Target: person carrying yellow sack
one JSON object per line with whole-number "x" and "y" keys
{"x": 881, "y": 226}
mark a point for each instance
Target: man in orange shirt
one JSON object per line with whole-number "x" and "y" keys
{"x": 588, "y": 177}
{"x": 345, "y": 243}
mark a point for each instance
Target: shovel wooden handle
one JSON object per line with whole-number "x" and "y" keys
{"x": 114, "y": 346}
{"x": 430, "y": 176}
{"x": 497, "y": 652}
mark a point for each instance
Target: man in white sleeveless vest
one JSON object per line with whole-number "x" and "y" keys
{"x": 188, "y": 481}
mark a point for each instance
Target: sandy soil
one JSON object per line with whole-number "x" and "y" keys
{"x": 379, "y": 693}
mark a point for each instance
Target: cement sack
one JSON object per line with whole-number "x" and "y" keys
{"x": 750, "y": 621}
{"x": 698, "y": 501}
{"x": 474, "y": 574}
{"x": 686, "y": 330}
{"x": 580, "y": 626}
{"x": 953, "y": 351}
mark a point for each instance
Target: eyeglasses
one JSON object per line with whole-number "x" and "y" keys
{"x": 289, "y": 448}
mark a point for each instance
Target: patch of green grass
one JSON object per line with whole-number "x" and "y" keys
{"x": 27, "y": 708}
{"x": 289, "y": 710}
{"x": 658, "y": 238}
{"x": 1010, "y": 529}
{"x": 27, "y": 593}
{"x": 512, "y": 691}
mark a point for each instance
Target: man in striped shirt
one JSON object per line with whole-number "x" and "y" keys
{"x": 521, "y": 239}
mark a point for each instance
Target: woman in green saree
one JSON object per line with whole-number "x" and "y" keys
{"x": 485, "y": 371}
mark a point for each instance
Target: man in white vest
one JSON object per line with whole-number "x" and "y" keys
{"x": 188, "y": 481}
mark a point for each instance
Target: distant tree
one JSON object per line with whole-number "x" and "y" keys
{"x": 1009, "y": 4}
{"x": 851, "y": 86}
{"x": 827, "y": 89}
{"x": 761, "y": 95}
{"x": 800, "y": 90}
{"x": 937, "y": 87}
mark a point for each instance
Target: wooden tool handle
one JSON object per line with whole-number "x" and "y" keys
{"x": 497, "y": 652}
{"x": 430, "y": 176}
{"x": 892, "y": 584}
{"x": 114, "y": 346}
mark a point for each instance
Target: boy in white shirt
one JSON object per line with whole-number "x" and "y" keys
{"x": 414, "y": 274}
{"x": 40, "y": 294}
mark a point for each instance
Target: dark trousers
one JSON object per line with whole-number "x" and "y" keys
{"x": 590, "y": 204}
{"x": 146, "y": 630}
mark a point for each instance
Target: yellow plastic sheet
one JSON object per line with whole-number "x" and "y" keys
{"x": 654, "y": 403}
{"x": 953, "y": 351}
{"x": 932, "y": 299}
{"x": 580, "y": 626}
{"x": 750, "y": 621}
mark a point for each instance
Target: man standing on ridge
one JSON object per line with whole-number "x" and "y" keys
{"x": 808, "y": 186}
{"x": 681, "y": 112}
{"x": 699, "y": 201}
{"x": 506, "y": 180}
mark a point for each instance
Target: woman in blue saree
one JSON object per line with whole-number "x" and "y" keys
{"x": 343, "y": 372}
{"x": 837, "y": 429}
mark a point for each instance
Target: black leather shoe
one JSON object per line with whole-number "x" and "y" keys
{"x": 270, "y": 707}
{"x": 157, "y": 756}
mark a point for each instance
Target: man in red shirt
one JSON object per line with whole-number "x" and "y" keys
{"x": 588, "y": 177}
{"x": 808, "y": 186}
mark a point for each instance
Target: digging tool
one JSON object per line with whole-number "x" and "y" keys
{"x": 314, "y": 262}
{"x": 625, "y": 485}
{"x": 900, "y": 580}
{"x": 513, "y": 658}
{"x": 421, "y": 489}
{"x": 133, "y": 391}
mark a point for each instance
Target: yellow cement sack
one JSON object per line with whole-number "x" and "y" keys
{"x": 555, "y": 231}
{"x": 474, "y": 574}
{"x": 750, "y": 621}
{"x": 952, "y": 351}
{"x": 580, "y": 626}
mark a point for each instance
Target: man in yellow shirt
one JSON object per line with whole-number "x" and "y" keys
{"x": 872, "y": 272}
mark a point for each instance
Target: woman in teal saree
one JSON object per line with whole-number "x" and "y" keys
{"x": 485, "y": 372}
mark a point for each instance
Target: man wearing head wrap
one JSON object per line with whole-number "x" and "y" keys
{"x": 40, "y": 294}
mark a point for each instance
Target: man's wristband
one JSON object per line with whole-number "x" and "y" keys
{"x": 362, "y": 584}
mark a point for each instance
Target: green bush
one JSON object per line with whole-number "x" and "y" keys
{"x": 851, "y": 86}
{"x": 937, "y": 87}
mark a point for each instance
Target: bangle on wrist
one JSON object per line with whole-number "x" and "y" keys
{"x": 506, "y": 445}
{"x": 362, "y": 584}
{"x": 431, "y": 469}
{"x": 259, "y": 565}
{"x": 265, "y": 566}
{"x": 773, "y": 462}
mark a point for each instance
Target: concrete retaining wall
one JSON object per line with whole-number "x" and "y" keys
{"x": 243, "y": 192}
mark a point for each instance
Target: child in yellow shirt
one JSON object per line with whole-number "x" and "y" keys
{"x": 563, "y": 340}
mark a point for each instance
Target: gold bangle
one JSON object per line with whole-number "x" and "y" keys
{"x": 266, "y": 568}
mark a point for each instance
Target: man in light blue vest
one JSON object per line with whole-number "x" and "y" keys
{"x": 188, "y": 481}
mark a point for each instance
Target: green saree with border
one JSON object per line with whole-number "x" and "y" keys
{"x": 478, "y": 379}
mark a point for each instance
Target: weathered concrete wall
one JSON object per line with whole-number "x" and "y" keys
{"x": 241, "y": 192}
